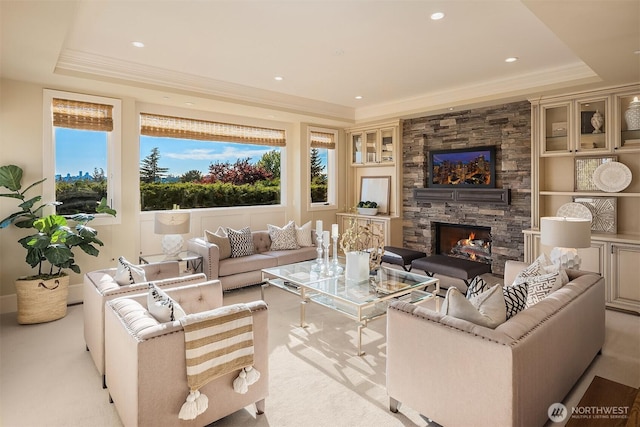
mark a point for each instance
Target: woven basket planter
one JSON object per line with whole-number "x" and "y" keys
{"x": 42, "y": 300}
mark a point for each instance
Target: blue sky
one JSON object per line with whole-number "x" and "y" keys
{"x": 78, "y": 150}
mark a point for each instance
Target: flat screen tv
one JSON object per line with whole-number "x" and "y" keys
{"x": 467, "y": 167}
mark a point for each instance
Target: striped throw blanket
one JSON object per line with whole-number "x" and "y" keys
{"x": 217, "y": 342}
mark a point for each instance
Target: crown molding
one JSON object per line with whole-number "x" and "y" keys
{"x": 498, "y": 89}
{"x": 75, "y": 62}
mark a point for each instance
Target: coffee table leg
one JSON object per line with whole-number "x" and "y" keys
{"x": 361, "y": 326}
{"x": 303, "y": 306}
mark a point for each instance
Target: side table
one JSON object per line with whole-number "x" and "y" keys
{"x": 192, "y": 260}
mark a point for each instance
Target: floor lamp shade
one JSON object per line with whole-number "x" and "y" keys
{"x": 565, "y": 235}
{"x": 172, "y": 224}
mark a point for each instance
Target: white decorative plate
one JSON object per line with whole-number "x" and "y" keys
{"x": 612, "y": 177}
{"x": 574, "y": 210}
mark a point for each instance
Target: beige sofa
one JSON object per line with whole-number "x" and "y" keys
{"x": 461, "y": 374}
{"x": 100, "y": 286}
{"x": 146, "y": 369}
{"x": 245, "y": 271}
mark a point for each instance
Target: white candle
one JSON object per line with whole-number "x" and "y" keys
{"x": 325, "y": 236}
{"x": 334, "y": 230}
{"x": 319, "y": 226}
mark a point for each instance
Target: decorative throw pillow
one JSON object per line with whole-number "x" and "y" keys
{"x": 241, "y": 242}
{"x": 284, "y": 238}
{"x": 303, "y": 234}
{"x": 538, "y": 287}
{"x": 541, "y": 265}
{"x": 220, "y": 239}
{"x": 477, "y": 286}
{"x": 127, "y": 273}
{"x": 487, "y": 309}
{"x": 162, "y": 306}
{"x": 515, "y": 298}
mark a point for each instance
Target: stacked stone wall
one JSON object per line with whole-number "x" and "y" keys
{"x": 508, "y": 128}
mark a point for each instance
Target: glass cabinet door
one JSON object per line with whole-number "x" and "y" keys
{"x": 357, "y": 148}
{"x": 592, "y": 134}
{"x": 387, "y": 145}
{"x": 629, "y": 113}
{"x": 555, "y": 128}
{"x": 371, "y": 139}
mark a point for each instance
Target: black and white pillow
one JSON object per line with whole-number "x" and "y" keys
{"x": 162, "y": 306}
{"x": 128, "y": 274}
{"x": 283, "y": 238}
{"x": 477, "y": 286}
{"x": 241, "y": 242}
{"x": 515, "y": 298}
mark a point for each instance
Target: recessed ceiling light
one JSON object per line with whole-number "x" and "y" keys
{"x": 137, "y": 44}
{"x": 511, "y": 59}
{"x": 637, "y": 52}
{"x": 450, "y": 108}
{"x": 189, "y": 104}
{"x": 279, "y": 78}
{"x": 437, "y": 16}
{"x": 358, "y": 96}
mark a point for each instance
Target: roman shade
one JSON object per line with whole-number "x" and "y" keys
{"x": 82, "y": 115}
{"x": 323, "y": 140}
{"x": 178, "y": 127}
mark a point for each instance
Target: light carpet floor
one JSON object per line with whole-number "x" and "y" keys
{"x": 48, "y": 379}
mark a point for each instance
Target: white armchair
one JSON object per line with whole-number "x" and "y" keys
{"x": 100, "y": 286}
{"x": 146, "y": 368}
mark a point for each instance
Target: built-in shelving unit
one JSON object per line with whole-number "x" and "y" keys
{"x": 571, "y": 135}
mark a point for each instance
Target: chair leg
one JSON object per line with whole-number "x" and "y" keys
{"x": 393, "y": 405}
{"x": 104, "y": 381}
{"x": 110, "y": 399}
{"x": 260, "y": 407}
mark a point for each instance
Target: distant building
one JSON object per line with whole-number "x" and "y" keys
{"x": 80, "y": 177}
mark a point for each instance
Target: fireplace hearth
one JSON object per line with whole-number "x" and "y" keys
{"x": 469, "y": 242}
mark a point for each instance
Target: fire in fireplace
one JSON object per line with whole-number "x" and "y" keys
{"x": 464, "y": 241}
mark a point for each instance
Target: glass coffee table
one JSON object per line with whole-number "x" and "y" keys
{"x": 362, "y": 301}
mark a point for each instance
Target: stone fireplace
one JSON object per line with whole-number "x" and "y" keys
{"x": 505, "y": 126}
{"x": 472, "y": 243}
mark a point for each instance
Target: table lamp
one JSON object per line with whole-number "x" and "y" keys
{"x": 172, "y": 224}
{"x": 565, "y": 235}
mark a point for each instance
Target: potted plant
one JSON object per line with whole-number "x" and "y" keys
{"x": 42, "y": 297}
{"x": 367, "y": 208}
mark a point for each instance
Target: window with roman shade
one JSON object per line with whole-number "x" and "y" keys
{"x": 81, "y": 151}
{"x": 322, "y": 165}
{"x": 197, "y": 163}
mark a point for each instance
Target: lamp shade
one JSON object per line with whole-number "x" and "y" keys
{"x": 565, "y": 232}
{"x": 172, "y": 222}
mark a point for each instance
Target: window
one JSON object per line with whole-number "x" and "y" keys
{"x": 322, "y": 165}
{"x": 202, "y": 164}
{"x": 81, "y": 152}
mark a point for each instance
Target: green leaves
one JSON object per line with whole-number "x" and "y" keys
{"x": 11, "y": 177}
{"x": 54, "y": 240}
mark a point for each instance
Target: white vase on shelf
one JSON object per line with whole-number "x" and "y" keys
{"x": 632, "y": 115}
{"x": 597, "y": 120}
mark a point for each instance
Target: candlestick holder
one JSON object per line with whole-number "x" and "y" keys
{"x": 326, "y": 267}
{"x": 335, "y": 266}
{"x": 318, "y": 264}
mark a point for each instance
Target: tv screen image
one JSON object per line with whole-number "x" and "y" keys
{"x": 468, "y": 167}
